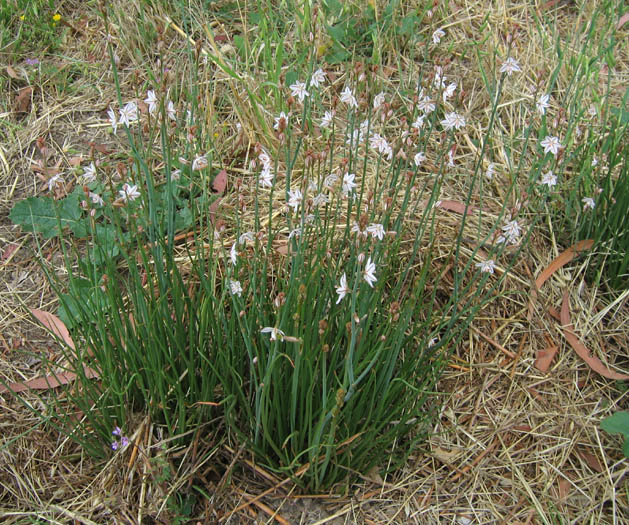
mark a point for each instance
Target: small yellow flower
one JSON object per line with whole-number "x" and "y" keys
{"x": 56, "y": 17}
{"x": 22, "y": 18}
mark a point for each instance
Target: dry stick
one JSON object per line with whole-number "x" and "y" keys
{"x": 494, "y": 343}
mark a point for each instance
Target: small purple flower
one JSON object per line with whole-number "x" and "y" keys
{"x": 114, "y": 445}
{"x": 116, "y": 431}
{"x": 124, "y": 441}
{"x": 31, "y": 61}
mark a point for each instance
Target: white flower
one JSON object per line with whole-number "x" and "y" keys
{"x": 449, "y": 91}
{"x": 298, "y": 89}
{"x": 96, "y": 198}
{"x": 594, "y": 162}
{"x": 551, "y": 144}
{"x": 347, "y": 96}
{"x": 490, "y": 171}
{"x": 128, "y": 114}
{"x": 419, "y": 158}
{"x": 440, "y": 79}
{"x": 54, "y": 180}
{"x": 112, "y": 119}
{"x": 510, "y": 66}
{"x": 376, "y": 230}
{"x": 294, "y": 233}
{"x": 128, "y": 192}
{"x": 588, "y": 203}
{"x": 437, "y": 35}
{"x": 294, "y": 199}
{"x": 246, "y": 237}
{"x": 451, "y": 158}
{"x": 426, "y": 105}
{"x": 487, "y": 266}
{"x": 266, "y": 178}
{"x": 175, "y": 174}
{"x": 511, "y": 232}
{"x": 320, "y": 199}
{"x": 380, "y": 144}
{"x": 281, "y": 121}
{"x": 550, "y": 179}
{"x": 356, "y": 230}
{"x": 151, "y": 100}
{"x": 330, "y": 181}
{"x": 419, "y": 122}
{"x": 326, "y": 120}
{"x": 170, "y": 110}
{"x": 378, "y": 100}
{"x": 235, "y": 288}
{"x": 542, "y": 104}
{"x": 233, "y": 254}
{"x": 200, "y": 162}
{"x": 453, "y": 120}
{"x": 318, "y": 77}
{"x": 342, "y": 289}
{"x": 369, "y": 273}
{"x": 348, "y": 183}
{"x": 89, "y": 173}
{"x": 276, "y": 333}
{"x": 265, "y": 159}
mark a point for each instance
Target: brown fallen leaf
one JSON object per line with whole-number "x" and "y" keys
{"x": 564, "y": 488}
{"x": 455, "y": 206}
{"x": 101, "y": 148}
{"x": 12, "y": 73}
{"x": 23, "y": 100}
{"x": 47, "y": 382}
{"x": 8, "y": 252}
{"x": 623, "y": 20}
{"x": 213, "y": 209}
{"x": 220, "y": 182}
{"x": 593, "y": 362}
{"x": 592, "y": 460}
{"x": 545, "y": 358}
{"x": 561, "y": 260}
{"x": 54, "y": 325}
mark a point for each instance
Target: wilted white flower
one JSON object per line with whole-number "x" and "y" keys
{"x": 449, "y": 91}
{"x": 348, "y": 183}
{"x": 453, "y": 120}
{"x": 440, "y": 79}
{"x": 112, "y": 119}
{"x": 151, "y": 100}
{"x": 437, "y": 35}
{"x": 276, "y": 333}
{"x": 510, "y": 66}
{"x": 294, "y": 199}
{"x": 451, "y": 158}
{"x": 588, "y": 203}
{"x": 246, "y": 237}
{"x": 594, "y": 162}
{"x": 294, "y": 233}
{"x": 487, "y": 266}
{"x": 170, "y": 110}
{"x": 281, "y": 121}
{"x": 419, "y": 122}
{"x": 342, "y": 290}
{"x": 199, "y": 163}
{"x": 490, "y": 171}
{"x": 318, "y": 77}
{"x": 319, "y": 199}
{"x": 96, "y": 198}
{"x": 376, "y": 230}
{"x": 175, "y": 174}
{"x": 128, "y": 192}
{"x": 298, "y": 89}
{"x": 356, "y": 229}
{"x": 54, "y": 180}
{"x": 233, "y": 254}
{"x": 550, "y": 179}
{"x": 347, "y": 97}
{"x": 378, "y": 100}
{"x": 380, "y": 144}
{"x": 551, "y": 144}
{"x": 330, "y": 181}
{"x": 89, "y": 173}
{"x": 128, "y": 114}
{"x": 235, "y": 288}
{"x": 326, "y": 120}
{"x": 369, "y": 274}
{"x": 542, "y": 104}
{"x": 419, "y": 158}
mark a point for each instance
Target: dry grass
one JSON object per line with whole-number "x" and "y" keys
{"x": 513, "y": 445}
